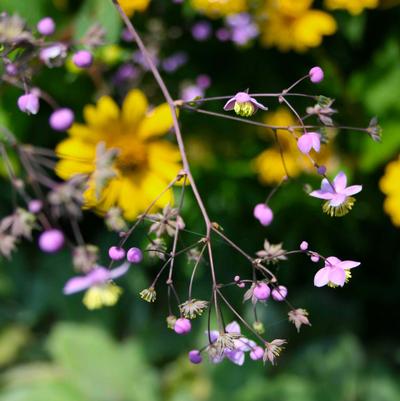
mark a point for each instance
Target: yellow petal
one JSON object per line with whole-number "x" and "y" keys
{"x": 151, "y": 186}
{"x": 102, "y": 116}
{"x": 157, "y": 122}
{"x": 108, "y": 198}
{"x": 164, "y": 159}
{"x": 131, "y": 200}
{"x": 134, "y": 108}
{"x": 84, "y": 133}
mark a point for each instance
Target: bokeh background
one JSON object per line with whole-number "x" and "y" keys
{"x": 53, "y": 349}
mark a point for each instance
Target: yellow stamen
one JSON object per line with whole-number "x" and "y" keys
{"x": 340, "y": 210}
{"x": 102, "y": 295}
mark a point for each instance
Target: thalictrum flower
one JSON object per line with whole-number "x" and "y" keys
{"x": 230, "y": 344}
{"x": 335, "y": 272}
{"x": 338, "y": 197}
{"x": 299, "y": 317}
{"x": 101, "y": 291}
{"x": 308, "y": 141}
{"x": 273, "y": 350}
{"x": 243, "y": 104}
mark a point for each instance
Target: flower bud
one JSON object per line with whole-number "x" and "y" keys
{"x": 316, "y": 75}
{"x": 134, "y": 255}
{"x": 259, "y": 327}
{"x": 182, "y": 326}
{"x": 279, "y": 293}
{"x": 116, "y": 253}
{"x": 35, "y": 206}
{"x": 51, "y": 240}
{"x": 261, "y": 291}
{"x": 195, "y": 357}
{"x": 171, "y": 320}
{"x": 29, "y": 103}
{"x": 46, "y": 26}
{"x": 263, "y": 214}
{"x": 304, "y": 245}
{"x": 82, "y": 59}
{"x": 61, "y": 119}
{"x": 256, "y": 353}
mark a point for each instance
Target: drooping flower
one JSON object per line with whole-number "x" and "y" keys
{"x": 352, "y": 6}
{"x": 144, "y": 165}
{"x": 335, "y": 272}
{"x": 148, "y": 294}
{"x": 293, "y": 25}
{"x": 101, "y": 290}
{"x": 390, "y": 186}
{"x": 193, "y": 308}
{"x": 273, "y": 350}
{"x": 338, "y": 197}
{"x": 269, "y": 164}
{"x": 230, "y": 344}
{"x": 243, "y": 104}
{"x": 308, "y": 141}
{"x": 299, "y": 317}
{"x": 130, "y": 6}
{"x": 82, "y": 59}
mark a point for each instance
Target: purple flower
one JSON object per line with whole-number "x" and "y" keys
{"x": 191, "y": 92}
{"x": 243, "y": 29}
{"x": 97, "y": 276}
{"x": 316, "y": 75}
{"x": 308, "y": 141}
{"x": 62, "y": 119}
{"x": 174, "y": 62}
{"x": 101, "y": 291}
{"x": 261, "y": 291}
{"x": 338, "y": 197}
{"x": 182, "y": 326}
{"x": 29, "y": 103}
{"x": 82, "y": 59}
{"x": 335, "y": 272}
{"x": 243, "y": 104}
{"x": 203, "y": 81}
{"x": 51, "y": 240}
{"x": 218, "y": 349}
{"x": 263, "y": 214}
{"x": 201, "y": 30}
{"x": 116, "y": 253}
{"x": 46, "y": 26}
{"x": 134, "y": 255}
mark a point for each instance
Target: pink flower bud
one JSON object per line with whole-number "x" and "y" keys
{"x": 35, "y": 206}
{"x": 182, "y": 326}
{"x": 116, "y": 253}
{"x": 51, "y": 241}
{"x": 134, "y": 255}
{"x": 316, "y": 75}
{"x": 256, "y": 353}
{"x": 195, "y": 357}
{"x": 321, "y": 170}
{"x": 315, "y": 258}
{"x": 279, "y": 293}
{"x": 29, "y": 103}
{"x": 261, "y": 291}
{"x": 61, "y": 119}
{"x": 236, "y": 279}
{"x": 304, "y": 246}
{"x": 82, "y": 59}
{"x": 46, "y": 26}
{"x": 263, "y": 214}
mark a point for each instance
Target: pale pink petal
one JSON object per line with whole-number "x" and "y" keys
{"x": 230, "y": 104}
{"x": 321, "y": 194}
{"x": 337, "y": 200}
{"x": 316, "y": 141}
{"x": 354, "y": 189}
{"x": 348, "y": 264}
{"x": 242, "y": 97}
{"x": 119, "y": 271}
{"x": 77, "y": 284}
{"x": 332, "y": 261}
{"x": 322, "y": 277}
{"x": 340, "y": 182}
{"x": 233, "y": 327}
{"x": 337, "y": 276}
{"x": 258, "y": 105}
{"x": 326, "y": 186}
{"x": 304, "y": 143}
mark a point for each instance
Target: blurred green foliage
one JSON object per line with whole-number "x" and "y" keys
{"x": 52, "y": 349}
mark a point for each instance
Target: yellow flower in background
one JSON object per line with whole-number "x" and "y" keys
{"x": 144, "y": 163}
{"x": 390, "y": 186}
{"x": 352, "y": 6}
{"x": 292, "y": 25}
{"x": 269, "y": 164}
{"x": 219, "y": 8}
{"x": 130, "y": 6}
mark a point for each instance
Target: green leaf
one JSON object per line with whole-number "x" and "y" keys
{"x": 31, "y": 10}
{"x": 101, "y": 12}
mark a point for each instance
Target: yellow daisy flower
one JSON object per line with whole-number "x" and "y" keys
{"x": 390, "y": 186}
{"x": 144, "y": 163}
{"x": 269, "y": 165}
{"x": 292, "y": 25}
{"x": 354, "y": 7}
{"x": 219, "y": 8}
{"x": 130, "y": 6}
